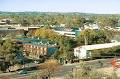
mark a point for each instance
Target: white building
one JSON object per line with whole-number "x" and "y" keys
{"x": 84, "y": 52}
{"x": 25, "y": 28}
{"x": 91, "y": 26}
{"x": 67, "y": 31}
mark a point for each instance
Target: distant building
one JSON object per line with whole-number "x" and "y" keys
{"x": 7, "y": 21}
{"x": 36, "y": 48}
{"x": 93, "y": 26}
{"x": 84, "y": 52}
{"x": 62, "y": 25}
{"x": 2, "y": 23}
{"x": 6, "y": 31}
{"x": 59, "y": 25}
{"x": 70, "y": 32}
{"x": 26, "y": 28}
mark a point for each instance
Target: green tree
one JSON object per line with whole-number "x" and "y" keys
{"x": 88, "y": 37}
{"x": 8, "y": 54}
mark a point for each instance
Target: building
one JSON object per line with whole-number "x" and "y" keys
{"x": 84, "y": 52}
{"x": 36, "y": 48}
{"x": 70, "y": 32}
{"x": 12, "y": 24}
{"x": 6, "y": 31}
{"x": 26, "y": 28}
{"x": 93, "y": 26}
{"x": 7, "y": 21}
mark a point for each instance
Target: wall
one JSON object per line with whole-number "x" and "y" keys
{"x": 52, "y": 50}
{"x": 80, "y": 53}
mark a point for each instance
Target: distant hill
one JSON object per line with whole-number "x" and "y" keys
{"x": 54, "y": 13}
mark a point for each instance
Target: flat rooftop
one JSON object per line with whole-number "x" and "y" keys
{"x": 37, "y": 41}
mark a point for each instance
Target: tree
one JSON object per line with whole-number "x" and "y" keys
{"x": 51, "y": 66}
{"x": 24, "y": 22}
{"x": 88, "y": 37}
{"x": 85, "y": 37}
{"x": 104, "y": 21}
{"x": 85, "y": 71}
{"x": 8, "y": 54}
{"x": 65, "y": 43}
{"x": 99, "y": 53}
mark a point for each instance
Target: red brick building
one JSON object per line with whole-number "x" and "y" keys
{"x": 34, "y": 48}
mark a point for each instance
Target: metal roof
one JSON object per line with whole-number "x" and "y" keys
{"x": 36, "y": 41}
{"x": 65, "y": 29}
{"x": 99, "y": 46}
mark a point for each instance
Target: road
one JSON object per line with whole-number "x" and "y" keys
{"x": 64, "y": 70}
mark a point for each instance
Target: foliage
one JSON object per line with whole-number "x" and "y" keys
{"x": 34, "y": 77}
{"x": 8, "y": 54}
{"x": 113, "y": 51}
{"x": 114, "y": 75}
{"x": 89, "y": 37}
{"x": 66, "y": 44}
{"x": 50, "y": 67}
{"x": 69, "y": 19}
{"x": 104, "y": 21}
{"x": 85, "y": 71}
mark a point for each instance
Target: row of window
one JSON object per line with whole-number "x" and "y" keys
{"x": 35, "y": 50}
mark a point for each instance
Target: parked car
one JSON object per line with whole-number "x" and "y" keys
{"x": 37, "y": 62}
{"x": 24, "y": 71}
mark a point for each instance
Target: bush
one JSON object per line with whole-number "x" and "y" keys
{"x": 88, "y": 72}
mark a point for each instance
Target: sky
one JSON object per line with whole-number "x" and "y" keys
{"x": 84, "y": 6}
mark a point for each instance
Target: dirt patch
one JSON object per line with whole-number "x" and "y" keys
{"x": 109, "y": 71}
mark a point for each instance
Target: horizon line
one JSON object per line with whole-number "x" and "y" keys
{"x": 61, "y": 12}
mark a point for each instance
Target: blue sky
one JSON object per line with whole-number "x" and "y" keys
{"x": 86, "y": 6}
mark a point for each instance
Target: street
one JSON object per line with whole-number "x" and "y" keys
{"x": 64, "y": 70}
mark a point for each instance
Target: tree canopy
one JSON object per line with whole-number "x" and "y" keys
{"x": 8, "y": 54}
{"x": 88, "y": 37}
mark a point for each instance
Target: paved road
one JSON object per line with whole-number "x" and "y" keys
{"x": 65, "y": 69}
